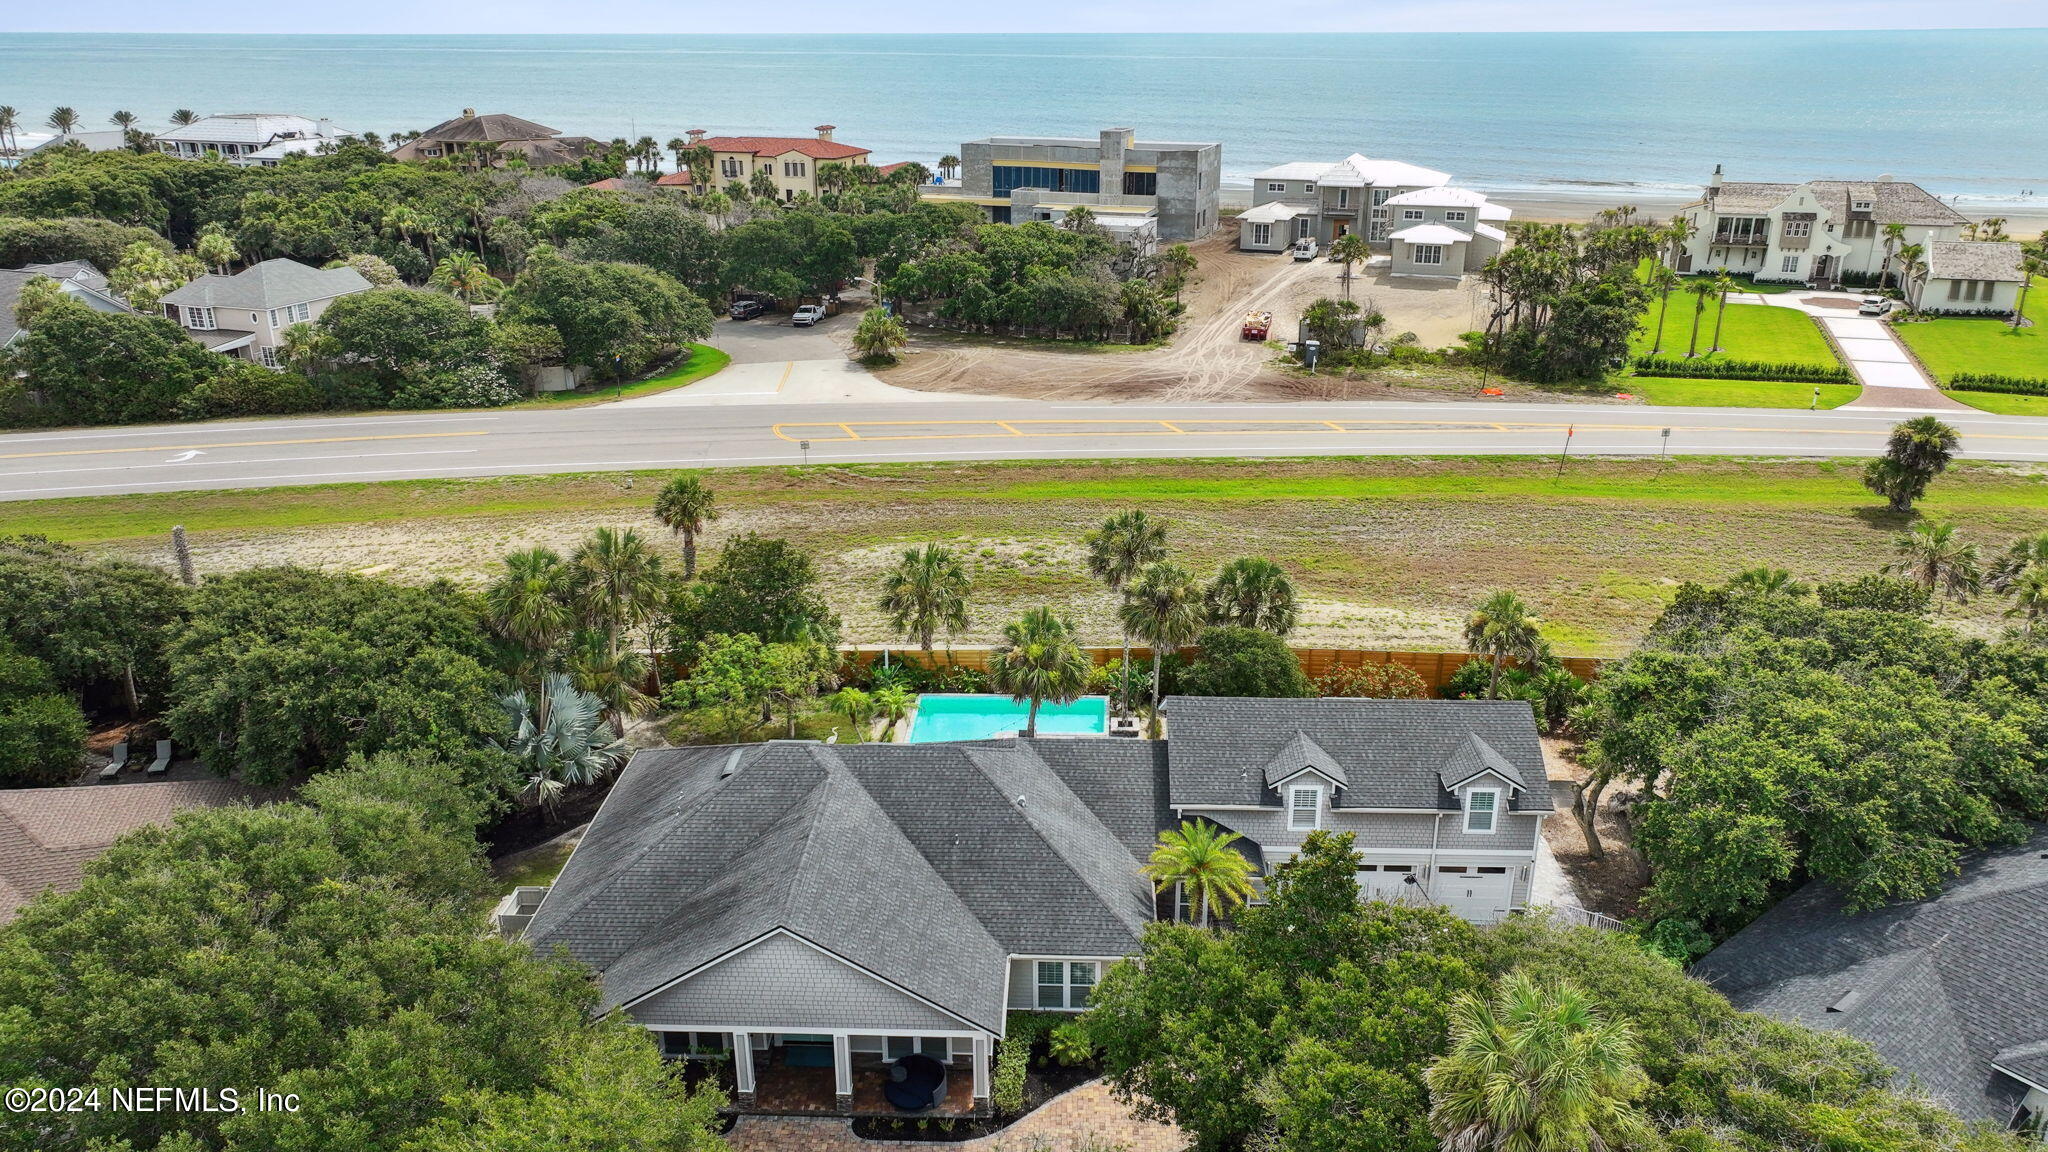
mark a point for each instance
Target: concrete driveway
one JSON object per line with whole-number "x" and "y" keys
{"x": 775, "y": 363}
{"x": 771, "y": 340}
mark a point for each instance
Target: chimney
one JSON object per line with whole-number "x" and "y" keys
{"x": 825, "y": 132}
{"x": 696, "y": 136}
{"x": 469, "y": 113}
{"x": 1714, "y": 183}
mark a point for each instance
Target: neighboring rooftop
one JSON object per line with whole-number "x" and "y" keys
{"x": 81, "y": 281}
{"x": 1390, "y": 753}
{"x": 1974, "y": 260}
{"x": 1355, "y": 171}
{"x": 48, "y": 835}
{"x": 1297, "y": 170}
{"x": 1949, "y": 990}
{"x": 270, "y": 284}
{"x": 816, "y": 147}
{"x": 1442, "y": 196}
{"x": 1432, "y": 234}
{"x": 248, "y": 128}
{"x": 491, "y": 127}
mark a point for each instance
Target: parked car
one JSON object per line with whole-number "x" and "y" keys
{"x": 1874, "y": 306}
{"x": 807, "y": 315}
{"x": 1305, "y": 248}
{"x": 747, "y": 309}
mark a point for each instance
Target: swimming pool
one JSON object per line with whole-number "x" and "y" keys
{"x": 976, "y": 716}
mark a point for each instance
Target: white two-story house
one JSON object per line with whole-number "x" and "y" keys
{"x": 1324, "y": 201}
{"x": 1823, "y": 233}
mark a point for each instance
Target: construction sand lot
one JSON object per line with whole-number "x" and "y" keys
{"x": 1207, "y": 358}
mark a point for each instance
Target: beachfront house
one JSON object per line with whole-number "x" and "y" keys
{"x": 1117, "y": 177}
{"x": 827, "y": 912}
{"x": 245, "y": 314}
{"x": 249, "y": 139}
{"x": 77, "y": 279}
{"x": 790, "y": 161}
{"x": 1823, "y": 233}
{"x": 493, "y": 138}
{"x": 1313, "y": 199}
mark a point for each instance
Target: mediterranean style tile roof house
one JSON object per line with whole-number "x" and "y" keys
{"x": 249, "y": 139}
{"x": 49, "y": 835}
{"x": 1429, "y": 227}
{"x": 1814, "y": 233}
{"x": 824, "y": 910}
{"x": 790, "y": 161}
{"x": 1952, "y": 991}
{"x": 244, "y": 314}
{"x": 76, "y": 278}
{"x": 503, "y": 136}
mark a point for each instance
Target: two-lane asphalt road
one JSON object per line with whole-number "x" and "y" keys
{"x": 321, "y": 450}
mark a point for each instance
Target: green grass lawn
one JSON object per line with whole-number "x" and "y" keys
{"x": 2003, "y": 403}
{"x": 702, "y": 361}
{"x": 535, "y": 866}
{"x": 1982, "y": 343}
{"x": 1671, "y": 392}
{"x": 1748, "y": 332}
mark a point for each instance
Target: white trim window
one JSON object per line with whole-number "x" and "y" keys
{"x": 1343, "y": 197}
{"x": 1304, "y": 808}
{"x": 1482, "y": 810}
{"x": 1065, "y": 984}
{"x": 1425, "y": 253}
{"x": 1275, "y": 186}
{"x": 1309, "y": 187}
{"x": 198, "y": 319}
{"x": 1411, "y": 213}
{"x": 1262, "y": 234}
{"x": 267, "y": 355}
{"x": 1789, "y": 266}
{"x": 1454, "y": 216}
{"x": 1798, "y": 228}
{"x": 1380, "y": 195}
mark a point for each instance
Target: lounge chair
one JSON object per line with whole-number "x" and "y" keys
{"x": 115, "y": 763}
{"x": 162, "y": 763}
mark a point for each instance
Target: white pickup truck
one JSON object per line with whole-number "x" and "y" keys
{"x": 1305, "y": 248}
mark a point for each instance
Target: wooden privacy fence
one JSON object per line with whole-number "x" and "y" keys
{"x": 1435, "y": 668}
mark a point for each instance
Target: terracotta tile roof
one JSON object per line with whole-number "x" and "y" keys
{"x": 608, "y": 184}
{"x": 674, "y": 180}
{"x": 888, "y": 168}
{"x": 777, "y": 145}
{"x": 49, "y": 835}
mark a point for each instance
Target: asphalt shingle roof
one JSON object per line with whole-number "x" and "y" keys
{"x": 495, "y": 127}
{"x": 1392, "y": 752}
{"x": 1299, "y": 753}
{"x": 270, "y": 284}
{"x": 926, "y": 865}
{"x": 1943, "y": 988}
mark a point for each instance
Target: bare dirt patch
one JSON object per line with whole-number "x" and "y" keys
{"x": 1612, "y": 885}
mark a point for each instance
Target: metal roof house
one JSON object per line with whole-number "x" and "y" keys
{"x": 249, "y": 139}
{"x": 1952, "y": 991}
{"x": 824, "y": 911}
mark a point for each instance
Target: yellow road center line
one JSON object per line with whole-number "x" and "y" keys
{"x": 850, "y": 433}
{"x": 1170, "y": 426}
{"x": 240, "y": 444}
{"x": 786, "y": 370}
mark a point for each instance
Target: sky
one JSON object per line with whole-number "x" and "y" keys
{"x": 903, "y": 16}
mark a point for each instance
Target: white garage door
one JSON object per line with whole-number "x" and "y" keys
{"x": 1388, "y": 882}
{"x": 1481, "y": 895}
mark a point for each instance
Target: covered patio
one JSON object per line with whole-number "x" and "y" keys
{"x": 845, "y": 1073}
{"x": 780, "y": 1088}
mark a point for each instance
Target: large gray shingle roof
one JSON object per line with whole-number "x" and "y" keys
{"x": 926, "y": 865}
{"x": 1893, "y": 201}
{"x": 1393, "y": 753}
{"x": 270, "y": 284}
{"x": 1942, "y": 988}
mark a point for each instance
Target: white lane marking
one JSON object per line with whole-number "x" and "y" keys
{"x": 189, "y": 429}
{"x": 256, "y": 460}
{"x": 182, "y": 457}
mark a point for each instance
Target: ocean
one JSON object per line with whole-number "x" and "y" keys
{"x": 1613, "y": 114}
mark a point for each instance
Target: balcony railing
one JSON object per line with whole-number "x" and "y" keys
{"x": 1757, "y": 239}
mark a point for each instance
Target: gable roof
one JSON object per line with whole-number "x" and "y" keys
{"x": 1302, "y": 755}
{"x": 492, "y": 127}
{"x": 1393, "y": 752}
{"x": 1310, "y": 170}
{"x": 1355, "y": 171}
{"x": 924, "y": 865}
{"x": 810, "y": 146}
{"x": 1475, "y": 757}
{"x": 1974, "y": 260}
{"x": 78, "y": 280}
{"x": 49, "y": 835}
{"x": 1945, "y": 989}
{"x": 681, "y": 179}
{"x": 270, "y": 284}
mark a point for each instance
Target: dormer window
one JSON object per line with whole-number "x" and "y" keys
{"x": 1304, "y": 809}
{"x": 1860, "y": 206}
{"x": 1481, "y": 805}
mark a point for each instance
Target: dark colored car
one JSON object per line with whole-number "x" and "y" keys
{"x": 747, "y": 309}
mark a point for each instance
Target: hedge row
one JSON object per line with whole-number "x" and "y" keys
{"x": 1992, "y": 382}
{"x": 1701, "y": 368}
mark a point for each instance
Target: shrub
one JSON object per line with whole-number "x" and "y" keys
{"x": 1881, "y": 593}
{"x": 1244, "y": 662}
{"x": 245, "y": 389}
{"x": 469, "y": 386}
{"x": 1006, "y": 1086}
{"x": 1377, "y": 681}
{"x": 1071, "y": 1043}
{"x": 42, "y": 731}
{"x": 1678, "y": 940}
{"x": 1993, "y": 382}
{"x": 1701, "y": 368}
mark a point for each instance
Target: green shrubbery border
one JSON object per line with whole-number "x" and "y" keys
{"x": 1701, "y": 368}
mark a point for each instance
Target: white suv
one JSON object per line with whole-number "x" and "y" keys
{"x": 1874, "y": 306}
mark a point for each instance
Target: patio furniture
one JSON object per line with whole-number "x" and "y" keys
{"x": 115, "y": 763}
{"x": 916, "y": 1083}
{"x": 162, "y": 763}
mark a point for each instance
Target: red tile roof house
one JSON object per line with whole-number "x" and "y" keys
{"x": 791, "y": 161}
{"x": 49, "y": 835}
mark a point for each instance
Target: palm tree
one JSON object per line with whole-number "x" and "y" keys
{"x": 1912, "y": 267}
{"x": 1162, "y": 607}
{"x": 63, "y": 120}
{"x": 1500, "y": 628}
{"x": 124, "y": 120}
{"x": 879, "y": 335}
{"x": 618, "y": 583}
{"x": 1198, "y": 859}
{"x": 684, "y": 506}
{"x": 1175, "y": 263}
{"x": 10, "y": 120}
{"x": 1767, "y": 581}
{"x": 527, "y": 606}
{"x": 2033, "y": 263}
{"x": 1676, "y": 234}
{"x": 184, "y": 116}
{"x": 2030, "y": 600}
{"x": 858, "y": 707}
{"x": 1253, "y": 593}
{"x": 926, "y": 591}
{"x": 2024, "y": 555}
{"x": 1663, "y": 281}
{"x": 1117, "y": 551}
{"x": 1894, "y": 238}
{"x": 1350, "y": 248}
{"x": 949, "y": 164}
{"x": 215, "y": 249}
{"x": 1934, "y": 555}
{"x": 1039, "y": 660}
{"x": 1722, "y": 285}
{"x": 462, "y": 275}
{"x": 678, "y": 147}
{"x": 1701, "y": 287}
{"x": 1917, "y": 451}
{"x": 561, "y": 737}
{"x": 1538, "y": 1070}
{"x": 300, "y": 345}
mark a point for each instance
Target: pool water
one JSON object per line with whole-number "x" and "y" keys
{"x": 963, "y": 716}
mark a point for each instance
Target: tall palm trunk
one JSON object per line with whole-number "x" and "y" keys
{"x": 689, "y": 554}
{"x": 1698, "y": 311}
{"x": 1718, "y": 317}
{"x": 1493, "y": 681}
{"x": 1031, "y": 720}
{"x": 1663, "y": 306}
{"x": 1124, "y": 699}
{"x": 1155, "y": 683}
